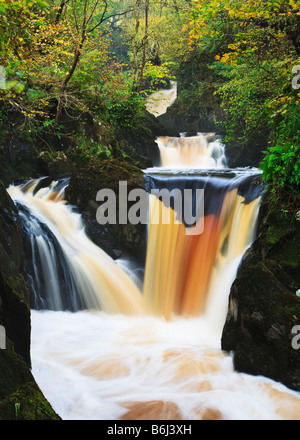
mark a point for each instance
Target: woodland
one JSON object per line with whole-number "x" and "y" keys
{"x": 62, "y": 60}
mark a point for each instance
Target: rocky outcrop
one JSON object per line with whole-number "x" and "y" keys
{"x": 201, "y": 116}
{"x": 54, "y": 153}
{"x": 20, "y": 397}
{"x": 190, "y": 116}
{"x": 14, "y": 305}
{"x": 139, "y": 142}
{"x": 263, "y": 305}
{"x": 115, "y": 239}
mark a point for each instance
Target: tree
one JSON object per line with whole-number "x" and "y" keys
{"x": 19, "y": 20}
{"x": 256, "y": 46}
{"x": 82, "y": 20}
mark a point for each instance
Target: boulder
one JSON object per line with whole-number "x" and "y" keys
{"x": 116, "y": 239}
{"x": 264, "y": 306}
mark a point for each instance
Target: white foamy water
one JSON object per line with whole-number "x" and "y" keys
{"x": 203, "y": 151}
{"x": 96, "y": 366}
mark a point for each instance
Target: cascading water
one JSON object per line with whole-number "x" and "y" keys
{"x": 69, "y": 271}
{"x": 201, "y": 151}
{"x": 131, "y": 354}
{"x": 183, "y": 270}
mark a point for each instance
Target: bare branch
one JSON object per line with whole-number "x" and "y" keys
{"x": 69, "y": 27}
{"x": 84, "y": 15}
{"x": 60, "y": 10}
{"x": 102, "y": 20}
{"x": 75, "y": 16}
{"x": 92, "y": 12}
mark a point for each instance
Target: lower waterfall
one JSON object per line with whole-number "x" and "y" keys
{"x": 105, "y": 349}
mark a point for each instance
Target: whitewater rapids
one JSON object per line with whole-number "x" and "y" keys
{"x": 97, "y": 366}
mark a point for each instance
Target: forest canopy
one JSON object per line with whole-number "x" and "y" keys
{"x": 105, "y": 57}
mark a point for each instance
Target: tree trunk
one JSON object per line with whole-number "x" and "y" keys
{"x": 145, "y": 40}
{"x": 133, "y": 42}
{"x": 65, "y": 83}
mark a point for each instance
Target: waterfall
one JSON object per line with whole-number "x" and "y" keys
{"x": 105, "y": 348}
{"x": 201, "y": 151}
{"x": 67, "y": 271}
{"x": 183, "y": 271}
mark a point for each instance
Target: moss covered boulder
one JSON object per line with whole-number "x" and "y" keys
{"x": 20, "y": 396}
{"x": 264, "y": 306}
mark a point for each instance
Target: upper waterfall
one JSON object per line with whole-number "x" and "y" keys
{"x": 202, "y": 151}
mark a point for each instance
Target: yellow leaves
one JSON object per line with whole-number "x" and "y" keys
{"x": 225, "y": 58}
{"x": 32, "y": 114}
{"x": 68, "y": 54}
{"x": 44, "y": 102}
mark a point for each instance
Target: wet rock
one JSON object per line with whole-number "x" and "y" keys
{"x": 17, "y": 385}
{"x": 116, "y": 239}
{"x": 14, "y": 309}
{"x": 263, "y": 305}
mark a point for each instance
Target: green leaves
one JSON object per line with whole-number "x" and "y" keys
{"x": 255, "y": 44}
{"x": 42, "y": 4}
{"x": 281, "y": 166}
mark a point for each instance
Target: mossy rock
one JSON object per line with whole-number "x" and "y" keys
{"x": 17, "y": 385}
{"x": 27, "y": 403}
{"x": 263, "y": 305}
{"x": 20, "y": 396}
{"x": 118, "y": 239}
{"x": 14, "y": 297}
{"x": 86, "y": 182}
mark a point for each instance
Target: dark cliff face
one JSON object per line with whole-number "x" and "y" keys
{"x": 14, "y": 306}
{"x": 17, "y": 385}
{"x": 115, "y": 239}
{"x": 198, "y": 116}
{"x": 263, "y": 306}
{"x": 208, "y": 115}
